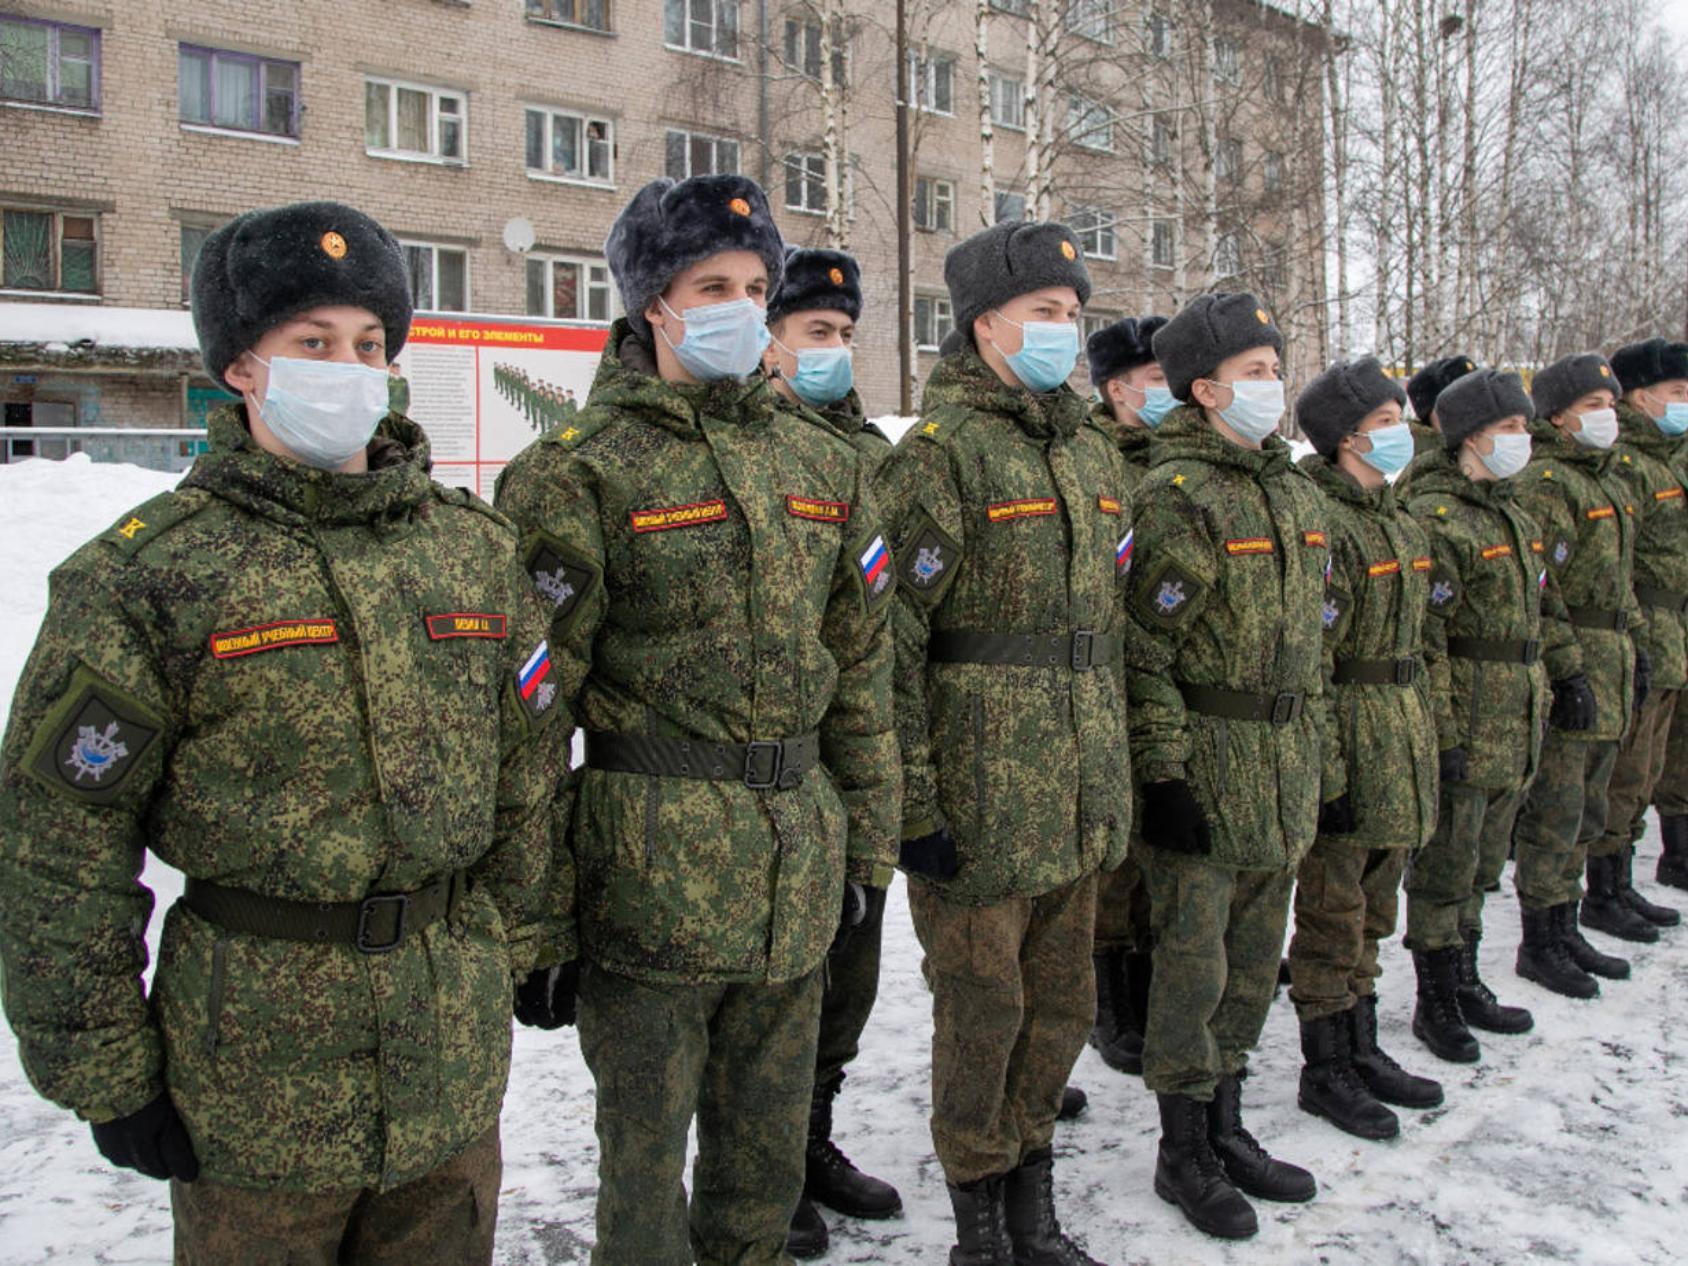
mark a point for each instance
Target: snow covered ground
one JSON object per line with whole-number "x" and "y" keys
{"x": 1568, "y": 1145}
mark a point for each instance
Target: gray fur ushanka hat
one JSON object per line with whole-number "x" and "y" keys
{"x": 1336, "y": 402}
{"x": 1008, "y": 260}
{"x": 1210, "y": 329}
{"x": 1477, "y": 399}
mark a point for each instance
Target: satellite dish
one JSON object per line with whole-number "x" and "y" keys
{"x": 518, "y": 235}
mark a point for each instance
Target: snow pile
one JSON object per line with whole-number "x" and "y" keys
{"x": 1568, "y": 1144}
{"x": 73, "y": 324}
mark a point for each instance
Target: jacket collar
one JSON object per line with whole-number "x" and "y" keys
{"x": 627, "y": 382}
{"x": 962, "y": 378}
{"x": 1185, "y": 433}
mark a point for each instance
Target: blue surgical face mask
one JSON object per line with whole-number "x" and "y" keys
{"x": 1675, "y": 420}
{"x": 1256, "y": 406}
{"x": 722, "y": 340}
{"x": 1511, "y": 455}
{"x": 323, "y": 411}
{"x": 1391, "y": 448}
{"x": 1598, "y": 429}
{"x": 1157, "y": 403}
{"x": 1048, "y": 352}
{"x": 824, "y": 374}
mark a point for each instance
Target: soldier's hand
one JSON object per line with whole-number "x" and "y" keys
{"x": 1450, "y": 764}
{"x": 1573, "y": 704}
{"x": 545, "y": 1000}
{"x": 1173, "y": 820}
{"x": 931, "y": 856}
{"x": 1643, "y": 677}
{"x": 1337, "y": 817}
{"x": 152, "y": 1141}
{"x": 852, "y": 917}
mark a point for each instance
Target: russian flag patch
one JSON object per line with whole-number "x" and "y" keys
{"x": 535, "y": 671}
{"x": 1122, "y": 551}
{"x": 874, "y": 560}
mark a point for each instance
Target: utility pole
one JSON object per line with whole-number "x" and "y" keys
{"x": 905, "y": 332}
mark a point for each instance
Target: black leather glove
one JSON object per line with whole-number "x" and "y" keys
{"x": 152, "y": 1141}
{"x": 1173, "y": 820}
{"x": 1643, "y": 677}
{"x": 1337, "y": 817}
{"x": 1450, "y": 764}
{"x": 931, "y": 856}
{"x": 545, "y": 1000}
{"x": 852, "y": 917}
{"x": 1573, "y": 704}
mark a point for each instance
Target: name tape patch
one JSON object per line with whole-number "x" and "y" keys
{"x": 1314, "y": 538}
{"x": 1108, "y": 505}
{"x": 819, "y": 511}
{"x": 1249, "y": 545}
{"x": 1030, "y": 508}
{"x": 1497, "y": 551}
{"x": 661, "y": 520}
{"x": 1421, "y": 564}
{"x": 1388, "y": 567}
{"x": 1603, "y": 512}
{"x": 466, "y": 624}
{"x": 1668, "y": 494}
{"x": 234, "y": 643}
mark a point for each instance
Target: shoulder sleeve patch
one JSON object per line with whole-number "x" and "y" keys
{"x": 1334, "y": 617}
{"x": 149, "y": 520}
{"x": 92, "y": 739}
{"x": 1167, "y": 595}
{"x": 563, "y": 576}
{"x": 533, "y": 688}
{"x": 1444, "y": 590}
{"x": 877, "y": 571}
{"x": 930, "y": 560}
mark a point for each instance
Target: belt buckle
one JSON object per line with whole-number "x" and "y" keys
{"x": 1083, "y": 652}
{"x": 1532, "y": 650}
{"x": 776, "y": 765}
{"x": 1286, "y": 708}
{"x": 366, "y": 908}
{"x": 1405, "y": 671}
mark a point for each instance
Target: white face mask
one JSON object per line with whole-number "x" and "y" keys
{"x": 323, "y": 411}
{"x": 1256, "y": 407}
{"x": 1599, "y": 428}
{"x": 1511, "y": 455}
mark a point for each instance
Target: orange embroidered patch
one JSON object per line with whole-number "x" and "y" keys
{"x": 1249, "y": 545}
{"x": 272, "y": 637}
{"x": 678, "y": 516}
{"x": 819, "y": 511}
{"x": 1030, "y": 508}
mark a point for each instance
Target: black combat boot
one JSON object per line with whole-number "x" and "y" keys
{"x": 1657, "y": 915}
{"x": 828, "y": 1176}
{"x": 1189, "y": 1175}
{"x": 1437, "y": 1021}
{"x": 1477, "y": 1002}
{"x": 1028, "y": 1198}
{"x": 1544, "y": 957}
{"x": 1605, "y": 910}
{"x": 1117, "y": 1036}
{"x": 1246, "y": 1163}
{"x": 807, "y": 1236}
{"x": 1330, "y": 1088}
{"x": 981, "y": 1224}
{"x": 1673, "y": 851}
{"x": 1073, "y": 1103}
{"x": 1387, "y": 1080}
{"x": 1582, "y": 953}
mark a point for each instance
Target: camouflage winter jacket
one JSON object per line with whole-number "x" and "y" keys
{"x": 1488, "y": 581}
{"x": 301, "y": 684}
{"x": 1384, "y": 731}
{"x": 1225, "y": 593}
{"x": 717, "y": 574}
{"x": 1132, "y": 442}
{"x": 1578, "y": 499}
{"x": 1653, "y": 467}
{"x": 849, "y": 419}
{"x": 1006, "y": 514}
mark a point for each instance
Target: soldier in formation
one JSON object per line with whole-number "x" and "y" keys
{"x": 544, "y": 405}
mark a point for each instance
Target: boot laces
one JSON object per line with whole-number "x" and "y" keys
{"x": 829, "y": 1155}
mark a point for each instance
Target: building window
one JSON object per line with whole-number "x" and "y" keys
{"x": 1093, "y": 19}
{"x": 1275, "y": 268}
{"x": 1157, "y": 35}
{"x": 702, "y": 26}
{"x": 238, "y": 91}
{"x": 1010, "y": 205}
{"x": 1227, "y": 59}
{"x": 933, "y": 321}
{"x": 1090, "y": 123}
{"x": 592, "y": 14}
{"x": 49, "y": 63}
{"x": 1227, "y": 256}
{"x": 570, "y": 146}
{"x": 410, "y": 121}
{"x": 1163, "y": 244}
{"x": 1162, "y": 139}
{"x": 1019, "y": 8}
{"x": 805, "y": 183}
{"x": 1228, "y": 159}
{"x": 1272, "y": 173}
{"x": 48, "y": 251}
{"x": 569, "y": 289}
{"x": 931, "y": 82}
{"x": 694, "y": 154}
{"x": 1094, "y": 322}
{"x": 803, "y": 48}
{"x": 934, "y": 204}
{"x": 1272, "y": 79}
{"x": 439, "y": 277}
{"x": 192, "y": 241}
{"x": 1008, "y": 101}
{"x": 1095, "y": 231}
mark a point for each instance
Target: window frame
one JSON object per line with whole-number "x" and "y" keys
{"x": 995, "y": 82}
{"x": 716, "y": 9}
{"x": 1073, "y": 121}
{"x": 572, "y": 24}
{"x": 183, "y": 228}
{"x": 1272, "y": 172}
{"x": 921, "y": 84}
{"x": 1227, "y": 247}
{"x": 549, "y": 116}
{"x": 1107, "y": 10}
{"x": 996, "y": 209}
{"x": 56, "y": 246}
{"x": 935, "y": 302}
{"x": 1228, "y": 157}
{"x": 54, "y": 83}
{"x": 435, "y": 94}
{"x": 1163, "y": 141}
{"x": 1097, "y": 221}
{"x": 584, "y": 291}
{"x": 1159, "y": 34}
{"x": 805, "y": 23}
{"x": 1227, "y": 59}
{"x": 1159, "y": 228}
{"x": 261, "y": 100}
{"x": 407, "y": 245}
{"x": 933, "y": 184}
{"x": 715, "y": 141}
{"x": 808, "y": 158}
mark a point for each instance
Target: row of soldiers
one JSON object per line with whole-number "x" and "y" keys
{"x": 1107, "y": 683}
{"x": 543, "y": 404}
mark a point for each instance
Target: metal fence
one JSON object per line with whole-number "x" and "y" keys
{"x": 154, "y": 448}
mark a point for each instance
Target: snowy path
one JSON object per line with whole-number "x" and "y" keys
{"x": 1569, "y": 1144}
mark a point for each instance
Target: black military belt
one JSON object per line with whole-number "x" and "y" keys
{"x": 776, "y": 765}
{"x": 1240, "y": 705}
{"x": 1495, "y": 650}
{"x": 1669, "y": 599}
{"x": 1080, "y": 651}
{"x": 1375, "y": 672}
{"x": 1599, "y": 618}
{"x": 375, "y": 925}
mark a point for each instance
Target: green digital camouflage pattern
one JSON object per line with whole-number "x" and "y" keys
{"x": 448, "y": 1215}
{"x": 1638, "y": 771}
{"x": 1670, "y": 790}
{"x": 738, "y": 1057}
{"x": 1006, "y": 515}
{"x": 1652, "y": 465}
{"x": 1226, "y": 591}
{"x": 1132, "y": 442}
{"x": 1564, "y": 811}
{"x": 1581, "y": 505}
{"x": 292, "y": 723}
{"x": 852, "y": 987}
{"x": 1426, "y": 438}
{"x": 1487, "y": 581}
{"x": 1013, "y": 998}
{"x": 1346, "y": 903}
{"x": 1448, "y": 879}
{"x": 1219, "y": 935}
{"x": 697, "y": 596}
{"x": 849, "y": 419}
{"x": 1374, "y": 610}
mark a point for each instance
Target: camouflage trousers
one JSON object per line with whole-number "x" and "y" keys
{"x": 1346, "y": 901}
{"x": 1670, "y": 791}
{"x": 1564, "y": 812}
{"x": 1218, "y": 934}
{"x": 740, "y": 1058}
{"x": 852, "y": 985}
{"x": 1448, "y": 877}
{"x": 1122, "y": 906}
{"x": 447, "y": 1216}
{"x": 1013, "y": 998}
{"x": 1639, "y": 770}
